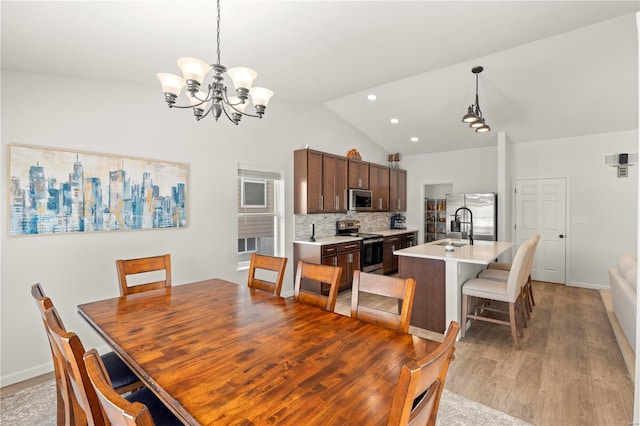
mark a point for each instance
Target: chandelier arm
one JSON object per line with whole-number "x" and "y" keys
{"x": 232, "y": 106}
{"x": 227, "y": 114}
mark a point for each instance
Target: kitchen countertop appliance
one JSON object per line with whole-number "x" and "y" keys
{"x": 371, "y": 250}
{"x": 398, "y": 221}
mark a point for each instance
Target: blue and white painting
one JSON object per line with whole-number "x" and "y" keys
{"x": 57, "y": 191}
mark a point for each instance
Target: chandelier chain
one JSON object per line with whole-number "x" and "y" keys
{"x": 218, "y": 32}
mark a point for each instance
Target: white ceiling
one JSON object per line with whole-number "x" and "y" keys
{"x": 552, "y": 69}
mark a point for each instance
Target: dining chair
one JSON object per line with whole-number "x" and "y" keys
{"x": 124, "y": 379}
{"x": 268, "y": 263}
{"x": 500, "y": 271}
{"x": 509, "y": 292}
{"x": 140, "y": 408}
{"x": 63, "y": 410}
{"x": 127, "y": 267}
{"x": 69, "y": 352}
{"x": 388, "y": 286}
{"x": 417, "y": 395}
{"x": 322, "y": 273}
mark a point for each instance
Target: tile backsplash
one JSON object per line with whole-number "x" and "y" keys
{"x": 326, "y": 223}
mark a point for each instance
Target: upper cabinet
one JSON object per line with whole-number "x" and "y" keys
{"x": 398, "y": 190}
{"x": 320, "y": 182}
{"x": 379, "y": 186}
{"x": 358, "y": 174}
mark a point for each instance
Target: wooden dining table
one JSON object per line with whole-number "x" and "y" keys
{"x": 216, "y": 352}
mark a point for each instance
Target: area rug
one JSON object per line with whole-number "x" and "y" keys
{"x": 36, "y": 406}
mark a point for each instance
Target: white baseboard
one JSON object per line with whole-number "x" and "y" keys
{"x": 26, "y": 374}
{"x": 589, "y": 285}
{"x": 30, "y": 373}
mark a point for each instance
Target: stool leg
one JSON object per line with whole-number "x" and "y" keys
{"x": 465, "y": 302}
{"x": 514, "y": 326}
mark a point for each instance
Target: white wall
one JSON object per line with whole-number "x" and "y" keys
{"x": 134, "y": 121}
{"x": 471, "y": 170}
{"x": 609, "y": 203}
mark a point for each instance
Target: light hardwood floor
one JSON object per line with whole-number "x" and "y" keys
{"x": 570, "y": 370}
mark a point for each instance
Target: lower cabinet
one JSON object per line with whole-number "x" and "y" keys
{"x": 345, "y": 255}
{"x": 392, "y": 243}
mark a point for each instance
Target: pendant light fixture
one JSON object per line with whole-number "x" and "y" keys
{"x": 215, "y": 100}
{"x": 474, "y": 114}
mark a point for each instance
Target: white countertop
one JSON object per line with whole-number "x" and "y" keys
{"x": 323, "y": 241}
{"x": 392, "y": 232}
{"x": 333, "y": 239}
{"x": 481, "y": 252}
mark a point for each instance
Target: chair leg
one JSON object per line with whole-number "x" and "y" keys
{"x": 514, "y": 326}
{"x": 530, "y": 288}
{"x": 465, "y": 302}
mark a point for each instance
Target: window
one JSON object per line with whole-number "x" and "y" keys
{"x": 260, "y": 213}
{"x": 253, "y": 192}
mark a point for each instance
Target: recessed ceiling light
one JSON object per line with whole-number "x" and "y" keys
{"x": 414, "y": 139}
{"x": 394, "y": 121}
{"x": 372, "y": 97}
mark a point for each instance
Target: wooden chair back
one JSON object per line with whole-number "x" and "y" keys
{"x": 69, "y": 351}
{"x": 323, "y": 273}
{"x": 518, "y": 273}
{"x": 388, "y": 286}
{"x": 115, "y": 409}
{"x": 138, "y": 266}
{"x": 64, "y": 410}
{"x": 419, "y": 389}
{"x": 269, "y": 263}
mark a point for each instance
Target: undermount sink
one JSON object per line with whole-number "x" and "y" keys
{"x": 454, "y": 243}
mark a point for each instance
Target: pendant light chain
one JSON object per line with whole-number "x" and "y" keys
{"x": 218, "y": 35}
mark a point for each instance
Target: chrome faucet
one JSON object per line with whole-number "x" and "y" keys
{"x": 458, "y": 222}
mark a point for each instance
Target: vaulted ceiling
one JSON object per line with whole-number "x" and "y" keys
{"x": 551, "y": 69}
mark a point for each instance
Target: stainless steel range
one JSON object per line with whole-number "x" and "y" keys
{"x": 371, "y": 251}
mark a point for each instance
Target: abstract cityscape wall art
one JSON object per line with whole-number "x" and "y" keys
{"x": 59, "y": 191}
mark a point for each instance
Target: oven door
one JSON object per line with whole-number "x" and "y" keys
{"x": 371, "y": 256}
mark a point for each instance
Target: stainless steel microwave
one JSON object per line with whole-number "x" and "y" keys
{"x": 360, "y": 199}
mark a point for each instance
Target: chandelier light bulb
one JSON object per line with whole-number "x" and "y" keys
{"x": 242, "y": 77}
{"x": 483, "y": 129}
{"x": 477, "y": 124}
{"x": 171, "y": 83}
{"x": 260, "y": 96}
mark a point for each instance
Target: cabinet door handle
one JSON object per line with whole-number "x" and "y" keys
{"x": 337, "y": 202}
{"x": 359, "y": 183}
{"x": 321, "y": 202}
{"x": 393, "y": 247}
{"x": 335, "y": 261}
{"x": 350, "y": 257}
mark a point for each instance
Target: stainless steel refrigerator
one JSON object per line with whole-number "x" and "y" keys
{"x": 484, "y": 208}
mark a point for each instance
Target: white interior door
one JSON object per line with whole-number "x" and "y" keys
{"x": 541, "y": 206}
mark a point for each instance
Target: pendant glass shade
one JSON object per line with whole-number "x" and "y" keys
{"x": 476, "y": 124}
{"x": 483, "y": 129}
{"x": 193, "y": 69}
{"x": 242, "y": 77}
{"x": 260, "y": 96}
{"x": 470, "y": 116}
{"x": 171, "y": 83}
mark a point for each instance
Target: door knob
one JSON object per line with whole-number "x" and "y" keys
{"x": 561, "y": 236}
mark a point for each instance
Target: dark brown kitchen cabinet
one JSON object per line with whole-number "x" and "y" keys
{"x": 334, "y": 183}
{"x": 397, "y": 190}
{"x": 389, "y": 261}
{"x": 392, "y": 243}
{"x": 345, "y": 255}
{"x": 358, "y": 174}
{"x": 320, "y": 182}
{"x": 379, "y": 186}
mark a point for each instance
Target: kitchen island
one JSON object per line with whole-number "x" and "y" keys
{"x": 439, "y": 276}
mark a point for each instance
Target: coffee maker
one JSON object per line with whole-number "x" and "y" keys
{"x": 398, "y": 221}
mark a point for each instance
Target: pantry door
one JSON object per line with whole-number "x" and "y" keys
{"x": 541, "y": 208}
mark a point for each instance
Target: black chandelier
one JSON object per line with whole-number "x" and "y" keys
{"x": 215, "y": 99}
{"x": 474, "y": 114}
